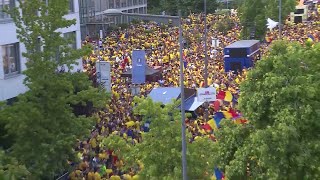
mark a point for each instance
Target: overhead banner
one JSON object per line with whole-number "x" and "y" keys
{"x": 138, "y": 67}
{"x": 206, "y": 94}
{"x": 103, "y": 74}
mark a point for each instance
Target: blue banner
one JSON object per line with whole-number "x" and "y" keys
{"x": 138, "y": 67}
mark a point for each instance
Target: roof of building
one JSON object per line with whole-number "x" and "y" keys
{"x": 192, "y": 104}
{"x": 243, "y": 44}
{"x": 165, "y": 95}
{"x": 149, "y": 71}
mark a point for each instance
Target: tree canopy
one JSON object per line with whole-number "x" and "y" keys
{"x": 42, "y": 122}
{"x": 10, "y": 169}
{"x": 171, "y": 7}
{"x": 280, "y": 97}
{"x": 158, "y": 156}
{"x": 254, "y": 14}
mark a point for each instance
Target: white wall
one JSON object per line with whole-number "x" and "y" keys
{"x": 10, "y": 87}
{"x": 13, "y": 86}
{"x": 76, "y": 27}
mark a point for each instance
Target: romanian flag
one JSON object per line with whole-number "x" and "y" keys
{"x": 227, "y": 114}
{"x": 202, "y": 84}
{"x": 207, "y": 127}
{"x": 218, "y": 174}
{"x": 185, "y": 62}
{"x": 212, "y": 124}
{"x": 228, "y": 96}
{"x": 221, "y": 95}
{"x": 311, "y": 38}
{"x": 240, "y": 121}
{"x": 233, "y": 113}
{"x": 218, "y": 116}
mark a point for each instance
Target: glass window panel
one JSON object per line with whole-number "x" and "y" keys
{"x": 10, "y": 56}
{"x": 71, "y": 6}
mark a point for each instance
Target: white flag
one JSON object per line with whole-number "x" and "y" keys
{"x": 271, "y": 23}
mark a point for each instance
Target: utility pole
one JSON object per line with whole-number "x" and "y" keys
{"x": 183, "y": 118}
{"x": 206, "y": 58}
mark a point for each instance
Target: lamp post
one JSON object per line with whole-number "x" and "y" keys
{"x": 205, "y": 58}
{"x": 183, "y": 118}
{"x": 183, "y": 123}
{"x": 280, "y": 12}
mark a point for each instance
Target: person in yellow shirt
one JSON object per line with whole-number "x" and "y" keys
{"x": 97, "y": 176}
{"x": 90, "y": 176}
{"x": 93, "y": 142}
{"x": 127, "y": 177}
{"x": 115, "y": 177}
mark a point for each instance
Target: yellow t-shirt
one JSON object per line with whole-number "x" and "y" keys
{"x": 127, "y": 177}
{"x": 90, "y": 176}
{"x": 97, "y": 176}
{"x": 115, "y": 177}
{"x": 93, "y": 142}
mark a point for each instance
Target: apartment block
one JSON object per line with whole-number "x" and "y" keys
{"x": 12, "y": 63}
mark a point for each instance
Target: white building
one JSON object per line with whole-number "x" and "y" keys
{"x": 12, "y": 64}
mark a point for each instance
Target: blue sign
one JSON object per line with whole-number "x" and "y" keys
{"x": 138, "y": 67}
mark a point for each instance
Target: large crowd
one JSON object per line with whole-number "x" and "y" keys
{"x": 161, "y": 43}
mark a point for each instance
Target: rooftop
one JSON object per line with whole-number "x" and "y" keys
{"x": 243, "y": 44}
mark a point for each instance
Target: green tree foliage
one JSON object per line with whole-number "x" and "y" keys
{"x": 42, "y": 121}
{"x": 255, "y": 13}
{"x": 224, "y": 25}
{"x": 171, "y": 7}
{"x": 10, "y": 169}
{"x": 281, "y": 98}
{"x": 160, "y": 149}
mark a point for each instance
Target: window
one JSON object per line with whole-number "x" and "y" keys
{"x": 71, "y": 6}
{"x": 299, "y": 11}
{"x": 3, "y": 5}
{"x": 238, "y": 52}
{"x": 73, "y": 36}
{"x": 111, "y": 4}
{"x": 117, "y": 3}
{"x": 11, "y": 60}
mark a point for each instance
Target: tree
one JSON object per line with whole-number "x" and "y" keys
{"x": 254, "y": 14}
{"x": 42, "y": 121}
{"x": 280, "y": 97}
{"x": 10, "y": 169}
{"x": 171, "y": 7}
{"x": 160, "y": 149}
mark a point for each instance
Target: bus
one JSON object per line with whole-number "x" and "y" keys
{"x": 241, "y": 54}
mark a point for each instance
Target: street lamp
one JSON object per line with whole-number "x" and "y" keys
{"x": 280, "y": 11}
{"x": 115, "y": 12}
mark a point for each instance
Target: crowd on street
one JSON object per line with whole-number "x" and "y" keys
{"x": 161, "y": 44}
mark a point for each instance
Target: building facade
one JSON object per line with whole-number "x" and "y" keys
{"x": 12, "y": 63}
{"x": 91, "y": 17}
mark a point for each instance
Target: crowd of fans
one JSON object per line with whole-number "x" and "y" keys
{"x": 161, "y": 43}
